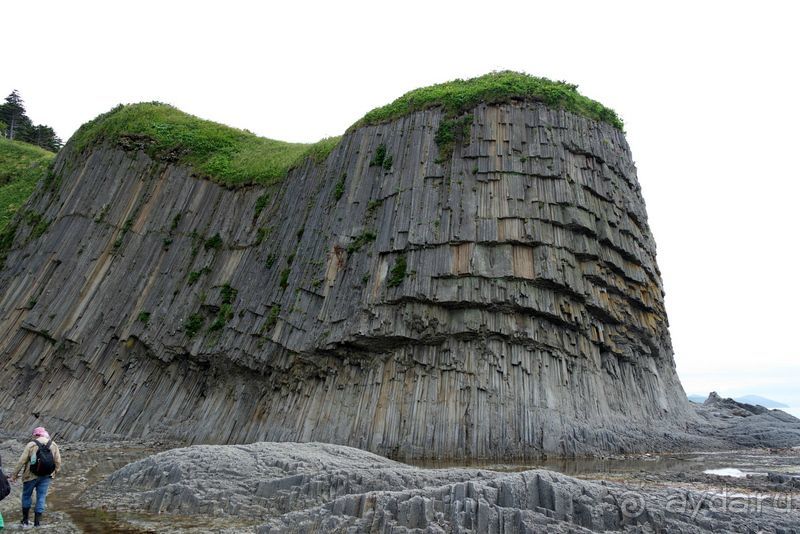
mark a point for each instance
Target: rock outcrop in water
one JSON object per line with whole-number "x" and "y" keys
{"x": 493, "y": 294}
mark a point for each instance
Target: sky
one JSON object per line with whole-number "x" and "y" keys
{"x": 707, "y": 90}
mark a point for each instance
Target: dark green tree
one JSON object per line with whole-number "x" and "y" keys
{"x": 45, "y": 137}
{"x": 13, "y": 114}
{"x": 16, "y": 125}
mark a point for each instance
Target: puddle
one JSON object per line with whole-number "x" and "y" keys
{"x": 91, "y": 468}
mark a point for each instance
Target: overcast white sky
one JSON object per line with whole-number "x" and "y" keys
{"x": 709, "y": 93}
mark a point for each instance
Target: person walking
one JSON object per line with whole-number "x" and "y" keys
{"x": 39, "y": 463}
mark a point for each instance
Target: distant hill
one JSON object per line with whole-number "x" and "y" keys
{"x": 766, "y": 403}
{"x": 747, "y": 399}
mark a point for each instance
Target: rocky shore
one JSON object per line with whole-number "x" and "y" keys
{"x": 315, "y": 487}
{"x": 750, "y": 482}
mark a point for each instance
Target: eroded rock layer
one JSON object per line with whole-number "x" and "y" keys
{"x": 502, "y": 300}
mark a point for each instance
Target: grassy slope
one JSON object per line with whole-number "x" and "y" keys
{"x": 460, "y": 96}
{"x": 235, "y": 157}
{"x": 21, "y": 166}
{"x": 226, "y": 155}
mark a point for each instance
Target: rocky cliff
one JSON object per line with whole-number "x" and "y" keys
{"x": 474, "y": 287}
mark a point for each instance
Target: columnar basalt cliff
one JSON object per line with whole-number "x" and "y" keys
{"x": 491, "y": 295}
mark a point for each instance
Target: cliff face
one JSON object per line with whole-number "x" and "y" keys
{"x": 500, "y": 300}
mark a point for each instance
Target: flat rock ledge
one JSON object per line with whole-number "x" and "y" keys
{"x": 316, "y": 487}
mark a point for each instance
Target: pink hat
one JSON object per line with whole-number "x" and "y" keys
{"x": 40, "y": 431}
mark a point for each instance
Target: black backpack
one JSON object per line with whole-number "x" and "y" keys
{"x": 45, "y": 464}
{"x": 5, "y": 487}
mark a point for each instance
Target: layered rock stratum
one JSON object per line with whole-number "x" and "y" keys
{"x": 489, "y": 293}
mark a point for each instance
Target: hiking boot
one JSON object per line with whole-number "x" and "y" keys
{"x": 37, "y": 519}
{"x": 25, "y": 512}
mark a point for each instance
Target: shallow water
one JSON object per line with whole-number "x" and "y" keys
{"x": 747, "y": 462}
{"x": 573, "y": 466}
{"x": 92, "y": 521}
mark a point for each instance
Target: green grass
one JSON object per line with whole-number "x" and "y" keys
{"x": 214, "y": 243}
{"x": 228, "y": 294}
{"x": 272, "y": 318}
{"x": 261, "y": 203}
{"x": 459, "y": 96}
{"x": 398, "y": 272}
{"x": 338, "y": 191}
{"x": 367, "y": 236}
{"x": 193, "y": 324}
{"x": 235, "y": 157}
{"x": 21, "y": 166}
{"x": 450, "y": 132}
{"x": 379, "y": 156}
{"x": 284, "y": 279}
{"x": 194, "y": 276}
{"x": 223, "y": 154}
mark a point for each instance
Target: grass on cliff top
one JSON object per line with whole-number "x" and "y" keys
{"x": 460, "y": 96}
{"x": 225, "y": 155}
{"x": 235, "y": 157}
{"x": 21, "y": 166}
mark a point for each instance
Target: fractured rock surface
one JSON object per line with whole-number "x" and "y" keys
{"x": 747, "y": 425}
{"x": 313, "y": 487}
{"x": 502, "y": 301}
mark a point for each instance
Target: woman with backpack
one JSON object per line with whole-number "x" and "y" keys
{"x": 40, "y": 461}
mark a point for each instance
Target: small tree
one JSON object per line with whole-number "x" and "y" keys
{"x": 16, "y": 125}
{"x": 45, "y": 137}
{"x": 13, "y": 114}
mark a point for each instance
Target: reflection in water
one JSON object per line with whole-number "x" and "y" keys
{"x": 753, "y": 461}
{"x": 94, "y": 521}
{"x": 575, "y": 466}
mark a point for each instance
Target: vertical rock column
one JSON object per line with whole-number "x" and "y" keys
{"x": 492, "y": 298}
